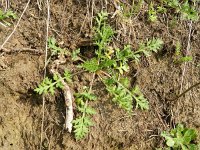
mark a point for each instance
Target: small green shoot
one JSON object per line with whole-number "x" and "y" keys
{"x": 74, "y": 54}
{"x": 6, "y": 15}
{"x": 129, "y": 11}
{"x": 55, "y": 50}
{"x": 179, "y": 58}
{"x": 148, "y": 48}
{"x": 178, "y": 49}
{"x": 181, "y": 138}
{"x": 103, "y": 32}
{"x": 152, "y": 13}
{"x": 184, "y": 59}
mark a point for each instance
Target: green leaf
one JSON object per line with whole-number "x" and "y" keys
{"x": 151, "y": 46}
{"x": 184, "y": 59}
{"x": 45, "y": 86}
{"x": 154, "y": 44}
{"x": 170, "y": 142}
{"x": 121, "y": 97}
{"x": 68, "y": 76}
{"x": 86, "y": 95}
{"x": 125, "y": 81}
{"x": 141, "y": 102}
{"x": 52, "y": 45}
{"x": 152, "y": 13}
{"x": 107, "y": 63}
{"x": 90, "y": 111}
{"x": 181, "y": 138}
{"x": 189, "y": 135}
{"x": 11, "y": 14}
{"x": 7, "y": 14}
{"x": 91, "y": 65}
{"x": 81, "y": 126}
{"x": 74, "y": 54}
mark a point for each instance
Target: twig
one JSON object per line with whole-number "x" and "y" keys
{"x": 46, "y": 53}
{"x": 68, "y": 102}
{"x": 67, "y": 93}
{"x": 183, "y": 93}
{"x": 31, "y": 50}
{"x": 39, "y": 3}
{"x": 3, "y": 25}
{"x": 188, "y": 48}
{"x": 16, "y": 25}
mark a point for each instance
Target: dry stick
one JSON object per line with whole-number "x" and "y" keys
{"x": 188, "y": 48}
{"x": 46, "y": 53}
{"x": 16, "y": 25}
{"x": 68, "y": 102}
{"x": 30, "y": 50}
{"x": 190, "y": 88}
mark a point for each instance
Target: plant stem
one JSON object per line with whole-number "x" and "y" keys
{"x": 183, "y": 93}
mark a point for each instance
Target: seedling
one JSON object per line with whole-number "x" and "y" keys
{"x": 55, "y": 50}
{"x": 181, "y": 138}
{"x": 179, "y": 58}
{"x": 6, "y": 15}
{"x": 152, "y": 14}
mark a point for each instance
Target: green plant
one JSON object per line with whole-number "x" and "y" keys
{"x": 152, "y": 13}
{"x": 179, "y": 58}
{"x": 55, "y": 50}
{"x": 181, "y": 138}
{"x": 187, "y": 10}
{"x": 74, "y": 54}
{"x": 83, "y": 122}
{"x": 113, "y": 62}
{"x": 130, "y": 10}
{"x": 6, "y": 15}
{"x": 147, "y": 48}
{"x": 121, "y": 94}
{"x": 184, "y": 59}
{"x": 49, "y": 85}
{"x": 109, "y": 64}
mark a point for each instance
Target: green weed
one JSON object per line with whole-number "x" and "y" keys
{"x": 179, "y": 58}
{"x": 187, "y": 10}
{"x": 109, "y": 64}
{"x": 114, "y": 62}
{"x": 152, "y": 13}
{"x": 6, "y": 15}
{"x": 83, "y": 122}
{"x": 129, "y": 11}
{"x": 181, "y": 138}
{"x": 49, "y": 85}
{"x": 55, "y": 50}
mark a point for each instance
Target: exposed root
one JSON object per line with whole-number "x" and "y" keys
{"x": 67, "y": 94}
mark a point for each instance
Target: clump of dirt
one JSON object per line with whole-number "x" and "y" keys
{"x": 71, "y": 23}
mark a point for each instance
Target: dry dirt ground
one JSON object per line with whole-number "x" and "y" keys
{"x": 71, "y": 24}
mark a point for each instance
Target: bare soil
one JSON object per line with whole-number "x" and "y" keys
{"x": 71, "y": 23}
